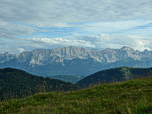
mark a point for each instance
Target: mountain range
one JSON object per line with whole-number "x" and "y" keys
{"x": 73, "y": 61}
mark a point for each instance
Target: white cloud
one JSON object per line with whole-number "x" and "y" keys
{"x": 20, "y": 49}
{"x": 100, "y": 42}
{"x": 117, "y": 41}
{"x": 60, "y": 41}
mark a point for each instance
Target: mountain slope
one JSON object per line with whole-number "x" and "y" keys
{"x": 7, "y": 57}
{"x": 114, "y": 74}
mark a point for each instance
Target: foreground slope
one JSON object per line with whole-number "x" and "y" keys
{"x": 130, "y": 97}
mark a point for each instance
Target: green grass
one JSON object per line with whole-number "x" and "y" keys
{"x": 128, "y": 97}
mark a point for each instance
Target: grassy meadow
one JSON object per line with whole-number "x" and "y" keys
{"x": 128, "y": 97}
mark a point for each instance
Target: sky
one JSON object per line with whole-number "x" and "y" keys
{"x": 26, "y": 25}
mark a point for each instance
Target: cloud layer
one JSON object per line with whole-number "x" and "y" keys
{"x": 48, "y": 24}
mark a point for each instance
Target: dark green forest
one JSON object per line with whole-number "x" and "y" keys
{"x": 117, "y": 74}
{"x": 18, "y": 83}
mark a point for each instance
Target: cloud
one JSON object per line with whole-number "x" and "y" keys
{"x": 117, "y": 41}
{"x": 108, "y": 15}
{"x": 100, "y": 42}
{"x": 119, "y": 26}
{"x": 20, "y": 49}
{"x": 56, "y": 24}
{"x": 11, "y": 30}
{"x": 95, "y": 39}
{"x": 84, "y": 18}
{"x": 74, "y": 11}
{"x": 60, "y": 41}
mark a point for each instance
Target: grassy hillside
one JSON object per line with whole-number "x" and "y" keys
{"x": 128, "y": 97}
{"x": 20, "y": 84}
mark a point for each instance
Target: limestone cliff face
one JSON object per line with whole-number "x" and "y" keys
{"x": 113, "y": 55}
{"x": 44, "y": 57}
{"x": 6, "y": 57}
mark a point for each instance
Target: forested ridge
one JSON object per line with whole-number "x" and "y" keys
{"x": 18, "y": 83}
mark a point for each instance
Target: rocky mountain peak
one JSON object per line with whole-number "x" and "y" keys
{"x": 107, "y": 49}
{"x": 94, "y": 49}
{"x": 127, "y": 48}
{"x": 83, "y": 48}
{"x": 69, "y": 47}
{"x": 6, "y": 53}
{"x": 145, "y": 50}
